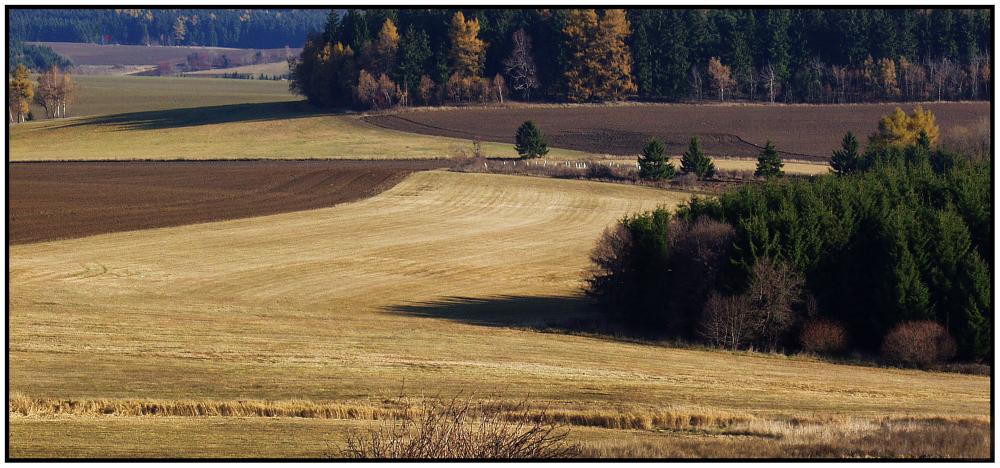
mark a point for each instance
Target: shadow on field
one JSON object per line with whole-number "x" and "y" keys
{"x": 543, "y": 312}
{"x": 194, "y": 116}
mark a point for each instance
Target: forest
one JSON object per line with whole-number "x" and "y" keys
{"x": 376, "y": 58}
{"x": 240, "y": 28}
{"x": 34, "y": 57}
{"x": 889, "y": 256}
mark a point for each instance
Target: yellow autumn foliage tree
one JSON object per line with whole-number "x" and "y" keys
{"x": 468, "y": 52}
{"x": 386, "y": 47}
{"x": 601, "y": 60}
{"x": 901, "y": 130}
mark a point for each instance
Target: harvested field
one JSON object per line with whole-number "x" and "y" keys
{"x": 445, "y": 283}
{"x": 806, "y": 132}
{"x": 114, "y": 54}
{"x": 51, "y": 201}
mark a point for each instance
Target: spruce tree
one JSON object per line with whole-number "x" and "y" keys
{"x": 654, "y": 164}
{"x": 845, "y": 160}
{"x": 769, "y": 163}
{"x": 694, "y": 161}
{"x": 529, "y": 141}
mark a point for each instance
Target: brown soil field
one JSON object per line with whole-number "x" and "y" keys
{"x": 97, "y": 54}
{"x": 50, "y": 201}
{"x": 807, "y": 132}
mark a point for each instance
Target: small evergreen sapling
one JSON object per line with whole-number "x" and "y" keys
{"x": 769, "y": 163}
{"x": 694, "y": 161}
{"x": 654, "y": 164}
{"x": 529, "y": 141}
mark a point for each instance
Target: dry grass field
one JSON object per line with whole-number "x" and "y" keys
{"x": 271, "y": 69}
{"x": 126, "y": 117}
{"x": 274, "y": 336}
{"x": 116, "y": 54}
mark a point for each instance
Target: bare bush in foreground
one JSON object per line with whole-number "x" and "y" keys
{"x": 918, "y": 343}
{"x": 464, "y": 429}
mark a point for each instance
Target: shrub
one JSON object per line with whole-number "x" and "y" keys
{"x": 462, "y": 429}
{"x": 775, "y": 290}
{"x": 918, "y": 343}
{"x": 823, "y": 336}
{"x": 529, "y": 141}
{"x": 728, "y": 322}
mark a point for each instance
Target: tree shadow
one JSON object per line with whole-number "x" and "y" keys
{"x": 209, "y": 115}
{"x": 535, "y": 312}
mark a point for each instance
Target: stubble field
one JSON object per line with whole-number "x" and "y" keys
{"x": 278, "y": 334}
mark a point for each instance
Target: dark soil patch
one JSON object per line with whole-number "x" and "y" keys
{"x": 61, "y": 200}
{"x": 804, "y": 132}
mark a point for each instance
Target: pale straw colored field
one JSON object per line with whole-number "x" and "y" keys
{"x": 272, "y": 336}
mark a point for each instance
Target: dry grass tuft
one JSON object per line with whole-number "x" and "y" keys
{"x": 454, "y": 429}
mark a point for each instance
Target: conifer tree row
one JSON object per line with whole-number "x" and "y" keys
{"x": 839, "y": 55}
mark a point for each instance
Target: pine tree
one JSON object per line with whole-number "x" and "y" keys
{"x": 846, "y": 159}
{"x": 414, "y": 54}
{"x": 654, "y": 164}
{"x": 529, "y": 141}
{"x": 695, "y": 162}
{"x": 769, "y": 163}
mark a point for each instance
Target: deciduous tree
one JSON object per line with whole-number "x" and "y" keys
{"x": 520, "y": 65}
{"x": 721, "y": 76}
{"x": 468, "y": 52}
{"x": 20, "y": 92}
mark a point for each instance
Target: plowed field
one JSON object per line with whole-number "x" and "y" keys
{"x": 806, "y": 132}
{"x": 51, "y": 201}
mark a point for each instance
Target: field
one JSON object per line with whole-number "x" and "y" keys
{"x": 271, "y": 69}
{"x": 269, "y": 308}
{"x": 50, "y": 201}
{"x": 97, "y": 54}
{"x": 805, "y": 132}
{"x": 108, "y": 95}
{"x": 127, "y": 117}
{"x": 445, "y": 283}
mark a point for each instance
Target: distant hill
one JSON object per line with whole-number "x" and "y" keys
{"x": 242, "y": 28}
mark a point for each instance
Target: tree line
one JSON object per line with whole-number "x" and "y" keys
{"x": 891, "y": 254}
{"x": 35, "y": 57}
{"x": 241, "y": 28}
{"x": 54, "y": 91}
{"x": 384, "y": 57}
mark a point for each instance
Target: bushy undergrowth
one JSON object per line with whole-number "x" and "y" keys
{"x": 906, "y": 237}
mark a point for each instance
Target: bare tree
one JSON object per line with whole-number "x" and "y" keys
{"x": 975, "y": 63}
{"x": 696, "y": 81}
{"x": 520, "y": 66}
{"x": 942, "y": 73}
{"x": 753, "y": 80}
{"x": 769, "y": 78}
